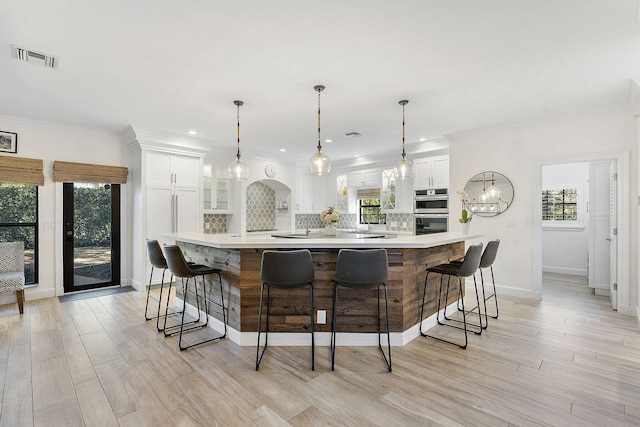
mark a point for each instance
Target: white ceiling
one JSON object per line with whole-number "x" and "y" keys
{"x": 171, "y": 66}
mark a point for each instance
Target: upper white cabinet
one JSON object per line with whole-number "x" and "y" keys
{"x": 388, "y": 191}
{"x": 312, "y": 193}
{"x": 431, "y": 172}
{"x": 216, "y": 190}
{"x": 169, "y": 169}
{"x": 341, "y": 202}
{"x": 370, "y": 178}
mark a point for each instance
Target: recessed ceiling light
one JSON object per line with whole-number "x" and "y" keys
{"x": 192, "y": 132}
{"x": 422, "y": 139}
{"x": 328, "y": 140}
{"x": 356, "y": 155}
{"x": 283, "y": 149}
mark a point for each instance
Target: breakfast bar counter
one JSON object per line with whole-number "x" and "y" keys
{"x": 239, "y": 258}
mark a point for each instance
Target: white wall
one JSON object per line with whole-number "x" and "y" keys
{"x": 519, "y": 153}
{"x": 51, "y": 142}
{"x": 565, "y": 250}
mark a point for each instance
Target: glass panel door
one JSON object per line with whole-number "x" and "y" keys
{"x": 91, "y": 214}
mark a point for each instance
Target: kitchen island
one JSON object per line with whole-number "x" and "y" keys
{"x": 239, "y": 257}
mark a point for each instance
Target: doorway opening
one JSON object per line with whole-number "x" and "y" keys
{"x": 91, "y": 249}
{"x": 578, "y": 230}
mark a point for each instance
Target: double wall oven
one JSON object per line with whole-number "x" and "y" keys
{"x": 431, "y": 211}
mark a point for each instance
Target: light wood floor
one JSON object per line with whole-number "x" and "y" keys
{"x": 568, "y": 360}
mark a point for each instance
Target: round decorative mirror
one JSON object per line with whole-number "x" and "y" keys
{"x": 489, "y": 194}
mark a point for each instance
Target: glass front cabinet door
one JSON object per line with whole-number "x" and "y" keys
{"x": 216, "y": 190}
{"x": 341, "y": 193}
{"x": 388, "y": 190}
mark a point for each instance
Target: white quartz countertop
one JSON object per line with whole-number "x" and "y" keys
{"x": 249, "y": 241}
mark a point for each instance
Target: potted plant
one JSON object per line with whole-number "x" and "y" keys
{"x": 465, "y": 216}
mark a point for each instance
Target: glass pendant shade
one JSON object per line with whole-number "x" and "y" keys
{"x": 404, "y": 168}
{"x": 319, "y": 163}
{"x": 238, "y": 170}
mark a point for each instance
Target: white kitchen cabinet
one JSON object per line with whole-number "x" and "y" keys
{"x": 431, "y": 172}
{"x": 388, "y": 191}
{"x": 364, "y": 179}
{"x": 166, "y": 195}
{"x": 311, "y": 193}
{"x": 341, "y": 202}
{"x": 215, "y": 193}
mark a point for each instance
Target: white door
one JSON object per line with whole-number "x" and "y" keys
{"x": 613, "y": 236}
{"x": 600, "y": 227}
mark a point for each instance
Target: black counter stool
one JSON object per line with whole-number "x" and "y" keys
{"x": 362, "y": 269}
{"x": 157, "y": 260}
{"x": 486, "y": 261}
{"x": 285, "y": 270}
{"x": 464, "y": 269}
{"x": 179, "y": 268}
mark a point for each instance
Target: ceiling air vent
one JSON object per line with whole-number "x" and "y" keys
{"x": 354, "y": 134}
{"x": 34, "y": 57}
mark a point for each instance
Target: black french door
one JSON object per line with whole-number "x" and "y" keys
{"x": 91, "y": 253}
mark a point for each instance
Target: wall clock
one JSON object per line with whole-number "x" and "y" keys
{"x": 270, "y": 170}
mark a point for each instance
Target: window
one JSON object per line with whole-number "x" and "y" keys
{"x": 560, "y": 204}
{"x": 370, "y": 212}
{"x": 19, "y": 222}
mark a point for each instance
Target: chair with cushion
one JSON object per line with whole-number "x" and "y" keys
{"x": 362, "y": 269}
{"x": 179, "y": 267}
{"x": 12, "y": 270}
{"x": 466, "y": 268}
{"x": 285, "y": 270}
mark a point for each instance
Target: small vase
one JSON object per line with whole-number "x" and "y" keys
{"x": 464, "y": 227}
{"x": 330, "y": 230}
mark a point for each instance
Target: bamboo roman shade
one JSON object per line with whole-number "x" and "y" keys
{"x": 368, "y": 193}
{"x": 85, "y": 172}
{"x": 19, "y": 170}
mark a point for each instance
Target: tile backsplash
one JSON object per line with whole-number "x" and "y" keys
{"x": 261, "y": 205}
{"x": 215, "y": 224}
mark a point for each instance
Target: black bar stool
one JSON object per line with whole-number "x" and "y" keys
{"x": 157, "y": 260}
{"x": 486, "y": 261}
{"x": 464, "y": 269}
{"x": 285, "y": 270}
{"x": 179, "y": 268}
{"x": 362, "y": 269}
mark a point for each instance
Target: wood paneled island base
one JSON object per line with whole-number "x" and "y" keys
{"x": 289, "y": 309}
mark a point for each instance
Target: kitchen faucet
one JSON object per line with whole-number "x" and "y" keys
{"x": 306, "y": 221}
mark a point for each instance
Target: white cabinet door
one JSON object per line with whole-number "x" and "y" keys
{"x": 440, "y": 172}
{"x": 422, "y": 174}
{"x": 160, "y": 215}
{"x": 186, "y": 171}
{"x": 319, "y": 193}
{"x": 186, "y": 201}
{"x": 355, "y": 179}
{"x": 159, "y": 169}
{"x": 432, "y": 172}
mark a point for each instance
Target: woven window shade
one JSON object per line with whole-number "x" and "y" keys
{"x": 85, "y": 172}
{"x": 368, "y": 193}
{"x": 19, "y": 170}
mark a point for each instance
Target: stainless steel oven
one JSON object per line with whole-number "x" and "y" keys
{"x": 430, "y": 223}
{"x": 432, "y": 201}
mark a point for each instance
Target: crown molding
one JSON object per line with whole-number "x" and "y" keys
{"x": 54, "y": 127}
{"x": 135, "y": 139}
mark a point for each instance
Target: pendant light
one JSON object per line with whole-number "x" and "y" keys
{"x": 237, "y": 169}
{"x": 404, "y": 167}
{"x": 319, "y": 163}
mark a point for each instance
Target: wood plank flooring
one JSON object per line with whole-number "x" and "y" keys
{"x": 568, "y": 360}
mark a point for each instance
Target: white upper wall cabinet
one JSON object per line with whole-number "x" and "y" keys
{"x": 364, "y": 179}
{"x": 168, "y": 169}
{"x": 431, "y": 172}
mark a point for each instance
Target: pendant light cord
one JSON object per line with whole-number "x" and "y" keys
{"x": 319, "y": 88}
{"x": 403, "y": 103}
{"x": 238, "y": 104}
